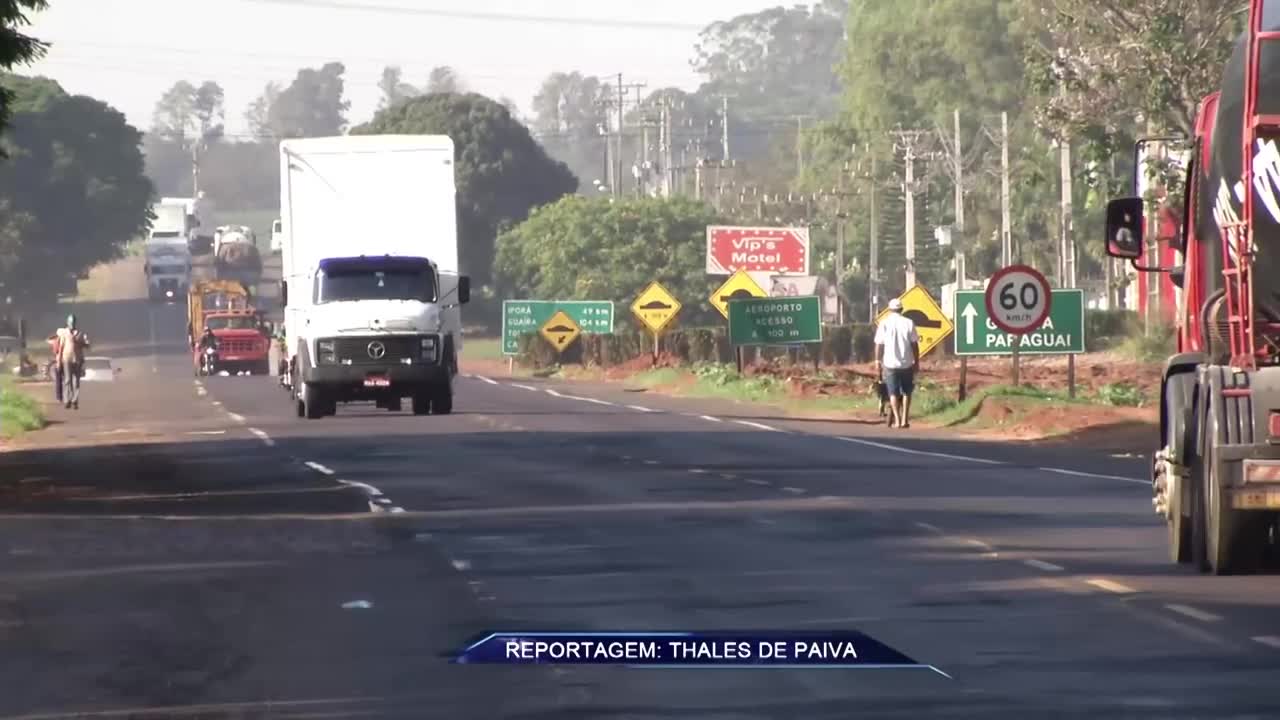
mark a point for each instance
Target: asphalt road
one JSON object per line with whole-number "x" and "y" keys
{"x": 194, "y": 549}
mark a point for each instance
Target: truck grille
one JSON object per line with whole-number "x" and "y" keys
{"x": 358, "y": 351}
{"x": 238, "y": 346}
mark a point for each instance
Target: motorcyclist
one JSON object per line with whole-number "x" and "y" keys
{"x": 207, "y": 341}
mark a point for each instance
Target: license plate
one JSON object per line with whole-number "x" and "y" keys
{"x": 1255, "y": 499}
{"x": 377, "y": 382}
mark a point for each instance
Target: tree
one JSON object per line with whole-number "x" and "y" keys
{"x": 444, "y": 79}
{"x": 185, "y": 109}
{"x": 393, "y": 88}
{"x": 258, "y": 114}
{"x": 501, "y": 171}
{"x": 312, "y": 105}
{"x": 570, "y": 104}
{"x": 1099, "y": 64}
{"x": 16, "y": 48}
{"x": 74, "y": 191}
{"x": 599, "y": 249}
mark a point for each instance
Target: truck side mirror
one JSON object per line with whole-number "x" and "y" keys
{"x": 1124, "y": 228}
{"x": 464, "y": 289}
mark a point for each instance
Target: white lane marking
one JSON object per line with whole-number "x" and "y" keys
{"x": 1268, "y": 640}
{"x": 1194, "y": 613}
{"x": 197, "y": 382}
{"x": 761, "y": 483}
{"x": 1042, "y": 565}
{"x": 709, "y": 418}
{"x": 698, "y": 471}
{"x": 553, "y": 393}
{"x": 728, "y": 476}
{"x": 641, "y": 408}
{"x": 930, "y": 528}
{"x": 1110, "y": 586}
{"x": 207, "y": 432}
{"x": 395, "y": 509}
{"x": 793, "y": 490}
{"x": 592, "y": 400}
{"x": 237, "y": 417}
{"x": 368, "y": 489}
{"x": 482, "y": 378}
{"x": 318, "y": 467}
{"x": 524, "y": 387}
{"x": 910, "y": 451}
{"x": 978, "y": 544}
{"x": 217, "y": 403}
{"x": 461, "y": 565}
{"x": 201, "y": 391}
{"x": 1078, "y": 473}
{"x": 650, "y": 462}
{"x": 263, "y": 436}
{"x": 759, "y": 426}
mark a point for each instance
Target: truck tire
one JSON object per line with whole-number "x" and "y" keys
{"x": 1215, "y": 527}
{"x": 442, "y": 401}
{"x": 1178, "y": 393}
{"x": 313, "y": 402}
{"x": 421, "y": 403}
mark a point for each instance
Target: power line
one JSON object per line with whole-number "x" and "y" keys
{"x": 484, "y": 16}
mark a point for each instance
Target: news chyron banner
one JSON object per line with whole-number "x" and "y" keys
{"x": 848, "y": 649}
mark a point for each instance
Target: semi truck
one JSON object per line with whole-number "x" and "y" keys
{"x": 1216, "y": 473}
{"x": 167, "y": 267}
{"x": 370, "y": 278}
{"x": 236, "y": 256}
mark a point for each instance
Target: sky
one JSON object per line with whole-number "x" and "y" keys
{"x": 128, "y": 52}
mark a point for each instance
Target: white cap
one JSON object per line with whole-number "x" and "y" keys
{"x": 895, "y": 305}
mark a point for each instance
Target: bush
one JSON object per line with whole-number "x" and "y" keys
{"x": 1105, "y": 328}
{"x": 19, "y": 412}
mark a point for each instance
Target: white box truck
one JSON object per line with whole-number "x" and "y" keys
{"x": 168, "y": 268}
{"x": 369, "y": 276}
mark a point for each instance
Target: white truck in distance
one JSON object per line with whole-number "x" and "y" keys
{"x": 168, "y": 268}
{"x": 370, "y": 279}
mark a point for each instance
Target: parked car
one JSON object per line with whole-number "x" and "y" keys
{"x": 99, "y": 369}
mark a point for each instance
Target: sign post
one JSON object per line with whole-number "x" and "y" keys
{"x": 1017, "y": 300}
{"x": 656, "y": 307}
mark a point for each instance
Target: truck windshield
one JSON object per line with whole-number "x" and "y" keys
{"x": 239, "y": 322}
{"x": 222, "y": 301}
{"x": 370, "y": 284}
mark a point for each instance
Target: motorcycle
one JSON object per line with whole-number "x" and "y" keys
{"x": 208, "y": 362}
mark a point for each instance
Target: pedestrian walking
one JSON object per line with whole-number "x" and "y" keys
{"x": 72, "y": 342}
{"x": 897, "y": 359}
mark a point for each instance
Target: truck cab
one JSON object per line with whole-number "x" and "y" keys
{"x": 243, "y": 343}
{"x": 375, "y": 331}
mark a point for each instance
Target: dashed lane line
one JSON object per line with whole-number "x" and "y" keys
{"x": 1268, "y": 640}
{"x": 484, "y": 379}
{"x": 794, "y": 490}
{"x": 369, "y": 490}
{"x": 236, "y": 416}
{"x": 530, "y": 388}
{"x": 1110, "y": 586}
{"x": 1042, "y": 565}
{"x": 930, "y": 528}
{"x": 708, "y": 418}
{"x": 319, "y": 468}
{"x": 1193, "y": 613}
{"x": 912, "y": 451}
{"x": 641, "y": 408}
{"x": 760, "y": 426}
{"x": 263, "y": 436}
{"x": 761, "y": 483}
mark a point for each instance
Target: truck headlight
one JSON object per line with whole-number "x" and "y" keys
{"x": 325, "y": 348}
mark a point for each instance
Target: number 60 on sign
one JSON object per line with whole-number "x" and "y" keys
{"x": 1018, "y": 299}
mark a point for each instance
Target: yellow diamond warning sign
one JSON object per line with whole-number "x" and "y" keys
{"x": 931, "y": 324}
{"x": 655, "y": 307}
{"x": 560, "y": 330}
{"x": 739, "y": 285}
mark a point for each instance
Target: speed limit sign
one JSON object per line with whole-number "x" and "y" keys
{"x": 1018, "y": 299}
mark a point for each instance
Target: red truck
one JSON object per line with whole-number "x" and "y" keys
{"x": 1216, "y": 474}
{"x": 243, "y": 343}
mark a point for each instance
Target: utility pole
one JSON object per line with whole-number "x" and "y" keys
{"x": 908, "y": 140}
{"x": 724, "y": 127}
{"x": 617, "y": 157}
{"x": 1066, "y": 243}
{"x": 874, "y": 261}
{"x": 1006, "y": 232}
{"x": 195, "y": 168}
{"x": 958, "y": 239}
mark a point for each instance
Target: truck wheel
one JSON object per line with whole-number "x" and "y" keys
{"x": 313, "y": 402}
{"x": 1215, "y": 524}
{"x": 442, "y": 401}
{"x": 421, "y": 403}
{"x": 1178, "y": 393}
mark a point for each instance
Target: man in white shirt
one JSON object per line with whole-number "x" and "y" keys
{"x": 897, "y": 359}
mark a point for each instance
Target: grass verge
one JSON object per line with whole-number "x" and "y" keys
{"x": 482, "y": 348}
{"x": 19, "y": 412}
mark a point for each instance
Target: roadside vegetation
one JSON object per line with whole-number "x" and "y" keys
{"x": 19, "y": 412}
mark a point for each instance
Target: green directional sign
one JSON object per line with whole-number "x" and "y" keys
{"x": 522, "y": 316}
{"x": 775, "y": 320}
{"x": 1061, "y": 334}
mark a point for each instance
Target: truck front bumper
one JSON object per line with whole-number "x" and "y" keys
{"x": 369, "y": 382}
